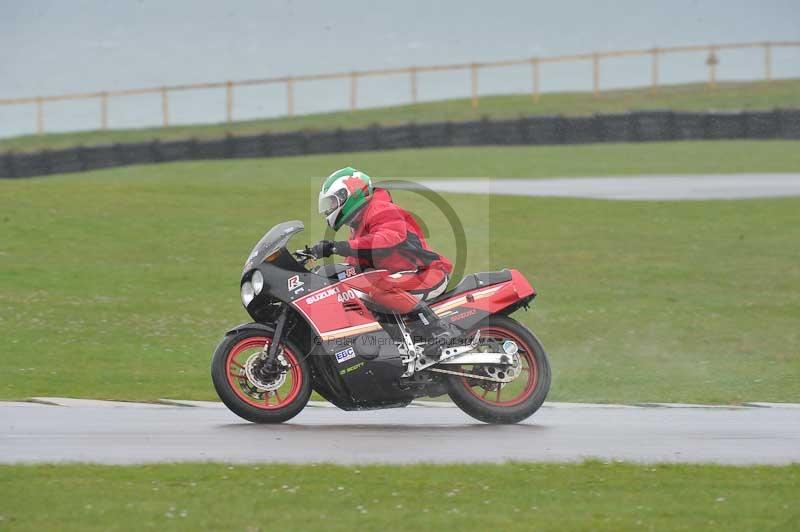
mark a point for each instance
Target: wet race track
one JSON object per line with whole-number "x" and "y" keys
{"x": 119, "y": 433}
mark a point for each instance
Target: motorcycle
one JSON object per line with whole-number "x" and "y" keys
{"x": 316, "y": 329}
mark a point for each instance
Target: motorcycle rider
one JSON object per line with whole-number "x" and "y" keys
{"x": 384, "y": 236}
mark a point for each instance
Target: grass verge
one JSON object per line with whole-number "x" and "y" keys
{"x": 117, "y": 284}
{"x": 689, "y": 97}
{"x": 515, "y": 496}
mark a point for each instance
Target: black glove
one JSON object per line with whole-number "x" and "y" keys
{"x": 322, "y": 249}
{"x": 343, "y": 248}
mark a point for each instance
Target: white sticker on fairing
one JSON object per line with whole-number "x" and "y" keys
{"x": 349, "y": 272}
{"x": 347, "y": 354}
{"x": 294, "y": 282}
{"x": 310, "y": 300}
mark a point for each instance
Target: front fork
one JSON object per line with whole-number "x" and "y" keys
{"x": 272, "y": 350}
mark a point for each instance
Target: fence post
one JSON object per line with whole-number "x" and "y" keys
{"x": 164, "y": 107}
{"x": 104, "y": 111}
{"x": 712, "y": 67}
{"x": 229, "y": 101}
{"x": 535, "y": 68}
{"x": 767, "y": 61}
{"x": 290, "y": 96}
{"x": 596, "y": 74}
{"x": 39, "y": 115}
{"x": 474, "y": 76}
{"x": 413, "y": 73}
{"x": 654, "y": 71}
{"x": 353, "y": 90}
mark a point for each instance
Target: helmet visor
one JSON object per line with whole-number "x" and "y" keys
{"x": 328, "y": 204}
{"x": 331, "y": 203}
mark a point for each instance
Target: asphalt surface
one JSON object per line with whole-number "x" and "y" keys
{"x": 663, "y": 187}
{"x": 117, "y": 433}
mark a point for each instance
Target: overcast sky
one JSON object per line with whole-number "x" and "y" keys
{"x": 50, "y": 47}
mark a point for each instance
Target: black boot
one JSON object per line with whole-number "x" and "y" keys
{"x": 429, "y": 326}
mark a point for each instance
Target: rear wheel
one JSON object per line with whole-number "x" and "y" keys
{"x": 256, "y": 393}
{"x": 510, "y": 402}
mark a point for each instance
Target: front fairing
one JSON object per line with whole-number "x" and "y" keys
{"x": 285, "y": 279}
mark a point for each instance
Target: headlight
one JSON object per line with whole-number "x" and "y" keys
{"x": 247, "y": 293}
{"x": 258, "y": 282}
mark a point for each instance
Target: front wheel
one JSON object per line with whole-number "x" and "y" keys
{"x": 493, "y": 402}
{"x": 248, "y": 390}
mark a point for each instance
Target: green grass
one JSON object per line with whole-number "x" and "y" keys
{"x": 119, "y": 283}
{"x": 693, "y": 97}
{"x": 515, "y": 496}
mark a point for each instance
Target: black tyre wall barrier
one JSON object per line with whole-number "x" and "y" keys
{"x": 638, "y": 126}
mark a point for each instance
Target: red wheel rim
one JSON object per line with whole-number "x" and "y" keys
{"x": 529, "y": 371}
{"x": 241, "y": 386}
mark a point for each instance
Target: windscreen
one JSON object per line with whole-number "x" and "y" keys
{"x": 272, "y": 241}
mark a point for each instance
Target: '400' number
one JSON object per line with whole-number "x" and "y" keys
{"x": 346, "y": 296}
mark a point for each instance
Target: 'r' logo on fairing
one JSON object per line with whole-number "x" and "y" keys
{"x": 294, "y": 282}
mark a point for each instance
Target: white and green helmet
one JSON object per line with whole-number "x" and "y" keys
{"x": 343, "y": 195}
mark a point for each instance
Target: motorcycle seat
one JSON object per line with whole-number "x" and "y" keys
{"x": 473, "y": 281}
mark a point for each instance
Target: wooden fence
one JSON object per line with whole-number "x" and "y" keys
{"x": 712, "y": 52}
{"x": 641, "y": 126}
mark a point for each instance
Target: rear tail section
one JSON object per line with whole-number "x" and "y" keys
{"x": 513, "y": 291}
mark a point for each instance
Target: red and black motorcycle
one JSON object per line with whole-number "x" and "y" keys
{"x": 316, "y": 330}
